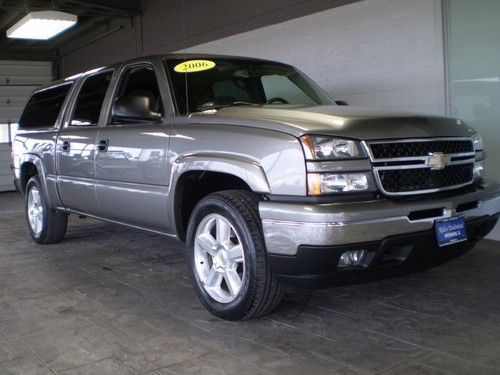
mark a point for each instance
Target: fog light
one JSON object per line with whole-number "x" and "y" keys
{"x": 351, "y": 258}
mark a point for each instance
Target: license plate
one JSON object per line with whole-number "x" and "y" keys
{"x": 450, "y": 231}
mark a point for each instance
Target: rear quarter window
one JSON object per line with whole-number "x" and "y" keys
{"x": 43, "y": 108}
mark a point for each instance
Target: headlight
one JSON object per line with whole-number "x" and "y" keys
{"x": 319, "y": 147}
{"x": 328, "y": 183}
{"x": 477, "y": 140}
{"x": 478, "y": 170}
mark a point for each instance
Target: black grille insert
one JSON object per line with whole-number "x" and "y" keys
{"x": 419, "y": 148}
{"x": 409, "y": 180}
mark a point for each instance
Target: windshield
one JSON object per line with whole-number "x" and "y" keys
{"x": 220, "y": 82}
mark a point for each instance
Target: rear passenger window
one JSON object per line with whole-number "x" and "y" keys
{"x": 43, "y": 108}
{"x": 89, "y": 101}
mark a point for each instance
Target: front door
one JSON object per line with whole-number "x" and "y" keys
{"x": 131, "y": 159}
{"x": 76, "y": 146}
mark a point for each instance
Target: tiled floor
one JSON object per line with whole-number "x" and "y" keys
{"x": 112, "y": 300}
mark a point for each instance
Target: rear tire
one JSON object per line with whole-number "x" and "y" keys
{"x": 45, "y": 224}
{"x": 227, "y": 257}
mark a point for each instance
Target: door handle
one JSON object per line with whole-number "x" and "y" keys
{"x": 103, "y": 144}
{"x": 65, "y": 146}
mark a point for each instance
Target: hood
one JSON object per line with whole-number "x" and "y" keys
{"x": 343, "y": 121}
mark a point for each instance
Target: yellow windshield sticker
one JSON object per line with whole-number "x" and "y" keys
{"x": 192, "y": 66}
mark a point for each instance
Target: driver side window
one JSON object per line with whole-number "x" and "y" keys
{"x": 140, "y": 81}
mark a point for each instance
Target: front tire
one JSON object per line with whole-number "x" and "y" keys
{"x": 227, "y": 258}
{"x": 45, "y": 224}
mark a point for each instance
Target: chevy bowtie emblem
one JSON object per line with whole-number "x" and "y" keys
{"x": 438, "y": 160}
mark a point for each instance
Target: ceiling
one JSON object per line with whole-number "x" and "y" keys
{"x": 90, "y": 14}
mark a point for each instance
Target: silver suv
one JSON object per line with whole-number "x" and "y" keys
{"x": 266, "y": 178}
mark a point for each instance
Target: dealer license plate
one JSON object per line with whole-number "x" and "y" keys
{"x": 450, "y": 231}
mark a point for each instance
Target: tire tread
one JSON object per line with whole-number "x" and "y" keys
{"x": 57, "y": 222}
{"x": 269, "y": 291}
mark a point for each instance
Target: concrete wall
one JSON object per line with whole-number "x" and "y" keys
{"x": 377, "y": 53}
{"x": 166, "y": 26}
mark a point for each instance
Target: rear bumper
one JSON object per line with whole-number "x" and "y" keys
{"x": 304, "y": 241}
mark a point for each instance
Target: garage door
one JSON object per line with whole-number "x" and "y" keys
{"x": 17, "y": 80}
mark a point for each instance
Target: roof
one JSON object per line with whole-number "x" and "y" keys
{"x": 172, "y": 56}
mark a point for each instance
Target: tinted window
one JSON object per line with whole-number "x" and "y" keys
{"x": 277, "y": 87}
{"x": 44, "y": 107}
{"x": 141, "y": 81}
{"x": 89, "y": 102}
{"x": 218, "y": 82}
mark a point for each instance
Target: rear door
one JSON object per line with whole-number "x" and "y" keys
{"x": 76, "y": 145}
{"x": 131, "y": 161}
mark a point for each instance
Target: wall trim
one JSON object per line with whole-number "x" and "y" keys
{"x": 446, "y": 55}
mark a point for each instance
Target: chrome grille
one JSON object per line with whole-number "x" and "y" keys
{"x": 418, "y": 166}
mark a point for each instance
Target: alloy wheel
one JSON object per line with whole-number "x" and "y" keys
{"x": 219, "y": 258}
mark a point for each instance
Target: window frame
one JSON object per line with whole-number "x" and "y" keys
{"x": 76, "y": 94}
{"x": 123, "y": 71}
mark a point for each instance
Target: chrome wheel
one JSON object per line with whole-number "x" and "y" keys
{"x": 219, "y": 258}
{"x": 35, "y": 210}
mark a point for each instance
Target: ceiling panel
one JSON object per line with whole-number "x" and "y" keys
{"x": 90, "y": 14}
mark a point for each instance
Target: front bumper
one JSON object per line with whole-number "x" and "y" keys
{"x": 316, "y": 266}
{"x": 296, "y": 232}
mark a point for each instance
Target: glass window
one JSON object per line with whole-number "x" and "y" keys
{"x": 141, "y": 81}
{"x": 277, "y": 87}
{"x": 203, "y": 84}
{"x": 90, "y": 98}
{"x": 43, "y": 108}
{"x": 228, "y": 91}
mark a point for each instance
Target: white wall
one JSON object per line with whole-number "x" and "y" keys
{"x": 377, "y": 53}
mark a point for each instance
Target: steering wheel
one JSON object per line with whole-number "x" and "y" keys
{"x": 277, "y": 99}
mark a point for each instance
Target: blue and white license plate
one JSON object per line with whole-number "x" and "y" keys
{"x": 450, "y": 231}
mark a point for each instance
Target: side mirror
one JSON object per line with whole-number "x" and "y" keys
{"x": 341, "y": 102}
{"x": 134, "y": 108}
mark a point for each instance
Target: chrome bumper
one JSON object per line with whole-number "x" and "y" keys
{"x": 287, "y": 226}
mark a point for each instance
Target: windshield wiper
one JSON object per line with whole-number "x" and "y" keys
{"x": 211, "y": 105}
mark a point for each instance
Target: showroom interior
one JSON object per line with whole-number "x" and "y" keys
{"x": 112, "y": 299}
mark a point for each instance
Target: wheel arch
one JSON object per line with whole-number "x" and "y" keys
{"x": 28, "y": 169}
{"x": 196, "y": 176}
{"x": 31, "y": 165}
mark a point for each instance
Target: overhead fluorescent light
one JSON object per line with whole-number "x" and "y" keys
{"x": 42, "y": 25}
